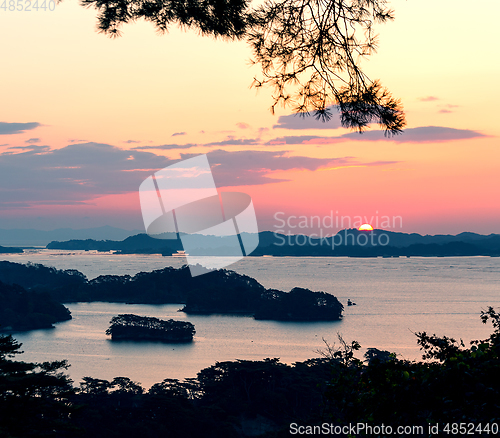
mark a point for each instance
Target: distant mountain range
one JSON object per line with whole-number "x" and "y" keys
{"x": 350, "y": 242}
{"x": 32, "y": 237}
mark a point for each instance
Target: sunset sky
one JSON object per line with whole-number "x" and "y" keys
{"x": 85, "y": 119}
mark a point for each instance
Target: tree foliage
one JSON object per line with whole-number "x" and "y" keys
{"x": 219, "y": 18}
{"x": 34, "y": 397}
{"x": 453, "y": 384}
{"x": 309, "y": 50}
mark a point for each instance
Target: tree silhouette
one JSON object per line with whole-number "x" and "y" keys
{"x": 34, "y": 397}
{"x": 309, "y": 50}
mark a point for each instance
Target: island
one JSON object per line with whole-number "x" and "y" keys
{"x": 22, "y": 309}
{"x": 147, "y": 328}
{"x": 10, "y": 250}
{"x": 218, "y": 292}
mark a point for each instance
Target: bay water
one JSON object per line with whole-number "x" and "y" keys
{"x": 395, "y": 298}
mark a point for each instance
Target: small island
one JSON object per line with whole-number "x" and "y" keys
{"x": 145, "y": 328}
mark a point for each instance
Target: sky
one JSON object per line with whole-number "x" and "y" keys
{"x": 84, "y": 119}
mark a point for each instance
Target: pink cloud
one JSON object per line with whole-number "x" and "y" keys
{"x": 428, "y": 98}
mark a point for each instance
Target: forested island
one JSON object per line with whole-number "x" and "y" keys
{"x": 146, "y": 328}
{"x": 221, "y": 291}
{"x": 22, "y": 310}
{"x": 455, "y": 385}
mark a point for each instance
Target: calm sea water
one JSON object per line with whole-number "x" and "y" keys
{"x": 395, "y": 298}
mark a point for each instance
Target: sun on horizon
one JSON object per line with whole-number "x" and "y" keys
{"x": 365, "y": 227}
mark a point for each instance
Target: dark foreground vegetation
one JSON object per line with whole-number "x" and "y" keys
{"x": 220, "y": 291}
{"x": 139, "y": 328}
{"x": 455, "y": 384}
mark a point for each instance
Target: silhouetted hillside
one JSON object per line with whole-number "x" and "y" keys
{"x": 140, "y": 243}
{"x": 378, "y": 243}
{"x": 350, "y": 242}
{"x": 144, "y": 244}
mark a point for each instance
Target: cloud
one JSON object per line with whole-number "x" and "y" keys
{"x": 32, "y": 148}
{"x": 428, "y": 99}
{"x": 304, "y": 139}
{"x": 20, "y": 204}
{"x": 175, "y": 134}
{"x": 304, "y": 121}
{"x": 243, "y": 125}
{"x": 424, "y": 134}
{"x": 448, "y": 108}
{"x": 17, "y": 128}
{"x": 79, "y": 173}
{"x": 73, "y": 174}
{"x": 167, "y": 147}
{"x": 5, "y": 206}
{"x": 237, "y": 168}
{"x": 380, "y": 163}
{"x": 32, "y": 140}
{"x": 131, "y": 141}
{"x": 231, "y": 141}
